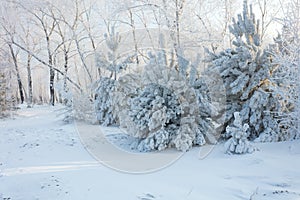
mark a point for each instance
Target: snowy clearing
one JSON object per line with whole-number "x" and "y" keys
{"x": 43, "y": 158}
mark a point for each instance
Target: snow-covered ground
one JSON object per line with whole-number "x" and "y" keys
{"x": 43, "y": 158}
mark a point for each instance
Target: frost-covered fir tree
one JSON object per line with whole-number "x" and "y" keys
{"x": 165, "y": 111}
{"x": 238, "y": 143}
{"x": 113, "y": 64}
{"x": 246, "y": 71}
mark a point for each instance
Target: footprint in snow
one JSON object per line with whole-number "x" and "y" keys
{"x": 146, "y": 197}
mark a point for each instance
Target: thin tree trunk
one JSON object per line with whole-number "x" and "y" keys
{"x": 66, "y": 69}
{"x": 177, "y": 23}
{"x": 58, "y": 96}
{"x": 65, "y": 100}
{"x": 134, "y": 37}
{"x": 52, "y": 96}
{"x": 29, "y": 100}
{"x": 52, "y": 74}
{"x": 18, "y": 73}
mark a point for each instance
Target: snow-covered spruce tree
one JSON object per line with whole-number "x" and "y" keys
{"x": 238, "y": 143}
{"x": 287, "y": 55}
{"x": 105, "y": 86}
{"x": 164, "y": 110}
{"x": 246, "y": 71}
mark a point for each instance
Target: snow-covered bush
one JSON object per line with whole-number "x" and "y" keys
{"x": 163, "y": 111}
{"x": 65, "y": 97}
{"x": 3, "y": 106}
{"x": 246, "y": 71}
{"x": 103, "y": 101}
{"x": 155, "y": 107}
{"x": 238, "y": 143}
{"x": 108, "y": 92}
{"x": 83, "y": 108}
{"x": 153, "y": 111}
{"x": 8, "y": 102}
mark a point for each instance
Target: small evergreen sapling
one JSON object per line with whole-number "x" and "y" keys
{"x": 238, "y": 143}
{"x": 107, "y": 103}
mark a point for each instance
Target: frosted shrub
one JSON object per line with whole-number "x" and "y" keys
{"x": 83, "y": 108}
{"x": 153, "y": 111}
{"x": 238, "y": 143}
{"x": 163, "y": 112}
{"x": 3, "y": 106}
{"x": 103, "y": 101}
